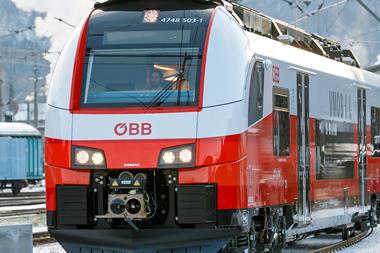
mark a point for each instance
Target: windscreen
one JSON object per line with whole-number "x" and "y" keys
{"x": 145, "y": 58}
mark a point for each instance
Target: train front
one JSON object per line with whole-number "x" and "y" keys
{"x": 125, "y": 167}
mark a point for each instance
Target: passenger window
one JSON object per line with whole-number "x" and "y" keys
{"x": 256, "y": 94}
{"x": 375, "y": 129}
{"x": 335, "y": 150}
{"x": 281, "y": 122}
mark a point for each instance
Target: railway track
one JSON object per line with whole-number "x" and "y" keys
{"x": 41, "y": 238}
{"x": 8, "y": 213}
{"x": 21, "y": 194}
{"x": 22, "y": 200}
{"x": 344, "y": 244}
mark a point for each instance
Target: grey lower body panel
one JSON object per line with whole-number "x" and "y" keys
{"x": 328, "y": 219}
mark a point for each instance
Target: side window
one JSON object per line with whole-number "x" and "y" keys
{"x": 256, "y": 94}
{"x": 375, "y": 130}
{"x": 281, "y": 122}
{"x": 335, "y": 150}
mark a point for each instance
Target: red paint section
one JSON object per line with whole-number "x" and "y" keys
{"x": 231, "y": 179}
{"x": 132, "y": 154}
{"x": 108, "y": 111}
{"x": 272, "y": 180}
{"x": 58, "y": 152}
{"x": 221, "y": 150}
{"x": 78, "y": 68}
{"x": 129, "y": 154}
{"x": 60, "y": 176}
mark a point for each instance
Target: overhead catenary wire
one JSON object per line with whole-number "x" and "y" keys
{"x": 65, "y": 22}
{"x": 16, "y": 32}
{"x": 319, "y": 10}
{"x": 369, "y": 10}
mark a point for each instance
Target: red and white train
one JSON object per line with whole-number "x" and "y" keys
{"x": 206, "y": 126}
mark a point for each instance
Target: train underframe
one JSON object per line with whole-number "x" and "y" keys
{"x": 148, "y": 211}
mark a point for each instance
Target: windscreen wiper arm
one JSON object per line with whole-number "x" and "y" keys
{"x": 157, "y": 100}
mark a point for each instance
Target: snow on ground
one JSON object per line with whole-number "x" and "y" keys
{"x": 368, "y": 245}
{"x": 38, "y": 221}
{"x": 49, "y": 248}
{"x": 25, "y": 207}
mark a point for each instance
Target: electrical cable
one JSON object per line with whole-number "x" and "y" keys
{"x": 319, "y": 10}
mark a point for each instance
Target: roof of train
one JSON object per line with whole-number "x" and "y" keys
{"x": 18, "y": 129}
{"x": 295, "y": 57}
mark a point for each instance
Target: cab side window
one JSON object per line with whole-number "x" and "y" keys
{"x": 375, "y": 130}
{"x": 281, "y": 122}
{"x": 256, "y": 94}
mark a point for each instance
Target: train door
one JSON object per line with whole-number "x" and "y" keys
{"x": 362, "y": 145}
{"x": 303, "y": 148}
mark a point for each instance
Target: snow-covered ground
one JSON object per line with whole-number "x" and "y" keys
{"x": 38, "y": 221}
{"x": 49, "y": 248}
{"x": 368, "y": 245}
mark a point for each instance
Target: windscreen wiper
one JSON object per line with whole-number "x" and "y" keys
{"x": 164, "y": 93}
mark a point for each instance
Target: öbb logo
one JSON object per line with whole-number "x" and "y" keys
{"x": 133, "y": 129}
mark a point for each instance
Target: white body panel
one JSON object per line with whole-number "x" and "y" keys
{"x": 329, "y": 76}
{"x": 60, "y": 90}
{"x": 164, "y": 126}
{"x": 59, "y": 123}
{"x": 222, "y": 120}
{"x": 228, "y": 60}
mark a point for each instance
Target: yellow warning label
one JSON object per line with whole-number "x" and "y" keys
{"x": 137, "y": 183}
{"x": 114, "y": 184}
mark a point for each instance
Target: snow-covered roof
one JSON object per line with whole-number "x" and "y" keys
{"x": 18, "y": 129}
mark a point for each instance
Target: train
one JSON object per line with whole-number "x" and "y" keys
{"x": 21, "y": 159}
{"x": 206, "y": 126}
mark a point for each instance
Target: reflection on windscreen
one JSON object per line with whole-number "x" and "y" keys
{"x": 133, "y": 78}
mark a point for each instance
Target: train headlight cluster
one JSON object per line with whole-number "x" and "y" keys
{"x": 182, "y": 156}
{"x": 88, "y": 158}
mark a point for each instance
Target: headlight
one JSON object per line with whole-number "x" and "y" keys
{"x": 97, "y": 158}
{"x": 186, "y": 155}
{"x": 168, "y": 157}
{"x": 88, "y": 158}
{"x": 181, "y": 156}
{"x": 82, "y": 157}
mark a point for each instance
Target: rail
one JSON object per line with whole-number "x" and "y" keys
{"x": 41, "y": 238}
{"x": 344, "y": 244}
{"x": 9, "y": 213}
{"x": 22, "y": 201}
